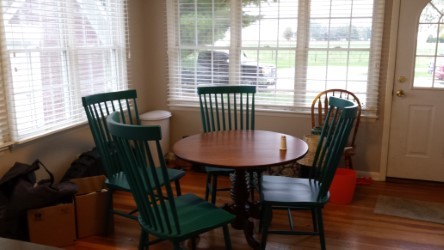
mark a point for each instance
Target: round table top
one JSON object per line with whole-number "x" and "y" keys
{"x": 240, "y": 148}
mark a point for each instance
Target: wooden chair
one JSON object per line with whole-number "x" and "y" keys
{"x": 227, "y": 107}
{"x": 97, "y": 108}
{"x": 280, "y": 192}
{"x": 319, "y": 109}
{"x": 160, "y": 213}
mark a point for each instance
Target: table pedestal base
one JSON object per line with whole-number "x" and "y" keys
{"x": 241, "y": 207}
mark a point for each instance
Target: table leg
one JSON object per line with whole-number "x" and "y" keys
{"x": 240, "y": 190}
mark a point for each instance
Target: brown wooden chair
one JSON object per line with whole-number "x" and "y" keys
{"x": 319, "y": 109}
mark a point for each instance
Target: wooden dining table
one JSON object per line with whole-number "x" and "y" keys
{"x": 241, "y": 150}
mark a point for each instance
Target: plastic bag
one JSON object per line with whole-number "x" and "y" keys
{"x": 19, "y": 191}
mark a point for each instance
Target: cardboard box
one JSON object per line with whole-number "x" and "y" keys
{"x": 91, "y": 206}
{"x": 54, "y": 225}
{"x": 92, "y": 213}
{"x": 89, "y": 184}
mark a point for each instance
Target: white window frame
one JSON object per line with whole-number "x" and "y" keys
{"x": 179, "y": 96}
{"x": 108, "y": 20}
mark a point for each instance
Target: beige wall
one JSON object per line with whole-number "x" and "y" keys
{"x": 149, "y": 77}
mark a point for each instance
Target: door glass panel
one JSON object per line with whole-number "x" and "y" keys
{"x": 429, "y": 64}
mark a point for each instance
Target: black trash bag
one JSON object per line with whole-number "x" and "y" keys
{"x": 19, "y": 191}
{"x": 88, "y": 164}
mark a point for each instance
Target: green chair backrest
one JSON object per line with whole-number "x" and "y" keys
{"x": 156, "y": 205}
{"x": 334, "y": 136}
{"x": 97, "y": 108}
{"x": 228, "y": 107}
{"x": 319, "y": 109}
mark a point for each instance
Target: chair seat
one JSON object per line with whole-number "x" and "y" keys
{"x": 216, "y": 170}
{"x": 196, "y": 216}
{"x": 282, "y": 189}
{"x": 119, "y": 181}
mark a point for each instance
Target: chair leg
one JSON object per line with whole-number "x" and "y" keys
{"x": 261, "y": 219}
{"x": 227, "y": 238}
{"x": 259, "y": 181}
{"x": 348, "y": 161}
{"x": 176, "y": 245}
{"x": 214, "y": 190}
{"x": 178, "y": 191}
{"x": 314, "y": 218}
{"x": 207, "y": 186}
{"x": 193, "y": 243}
{"x": 143, "y": 241}
{"x": 266, "y": 220}
{"x": 290, "y": 219}
{"x": 320, "y": 227}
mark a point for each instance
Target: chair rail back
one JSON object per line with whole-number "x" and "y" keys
{"x": 335, "y": 132}
{"x": 319, "y": 109}
{"x": 97, "y": 108}
{"x": 227, "y": 107}
{"x": 157, "y": 209}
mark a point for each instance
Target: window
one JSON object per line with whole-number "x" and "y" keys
{"x": 429, "y": 64}
{"x": 291, "y": 50}
{"x": 53, "y": 53}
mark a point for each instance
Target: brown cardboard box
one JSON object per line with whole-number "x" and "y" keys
{"x": 91, "y": 213}
{"x": 54, "y": 225}
{"x": 89, "y": 184}
{"x": 91, "y": 205}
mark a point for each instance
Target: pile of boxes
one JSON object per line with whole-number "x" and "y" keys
{"x": 86, "y": 215}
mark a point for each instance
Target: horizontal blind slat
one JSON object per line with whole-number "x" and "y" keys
{"x": 53, "y": 53}
{"x": 338, "y": 46}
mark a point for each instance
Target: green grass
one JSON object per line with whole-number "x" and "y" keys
{"x": 286, "y": 58}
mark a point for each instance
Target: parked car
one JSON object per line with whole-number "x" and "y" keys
{"x": 213, "y": 67}
{"x": 439, "y": 68}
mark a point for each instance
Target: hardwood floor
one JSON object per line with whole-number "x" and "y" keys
{"x": 352, "y": 226}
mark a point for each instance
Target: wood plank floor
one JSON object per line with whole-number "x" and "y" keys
{"x": 352, "y": 226}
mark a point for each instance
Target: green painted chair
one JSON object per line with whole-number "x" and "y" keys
{"x": 160, "y": 213}
{"x": 279, "y": 192}
{"x": 319, "y": 107}
{"x": 226, "y": 107}
{"x": 97, "y": 108}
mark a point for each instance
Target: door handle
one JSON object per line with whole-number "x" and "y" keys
{"x": 400, "y": 93}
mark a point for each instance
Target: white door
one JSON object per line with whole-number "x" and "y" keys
{"x": 416, "y": 146}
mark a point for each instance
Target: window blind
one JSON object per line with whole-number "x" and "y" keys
{"x": 53, "y": 53}
{"x": 291, "y": 50}
{"x": 5, "y": 135}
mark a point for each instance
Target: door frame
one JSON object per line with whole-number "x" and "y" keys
{"x": 390, "y": 80}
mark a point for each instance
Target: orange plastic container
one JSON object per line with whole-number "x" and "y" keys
{"x": 343, "y": 186}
